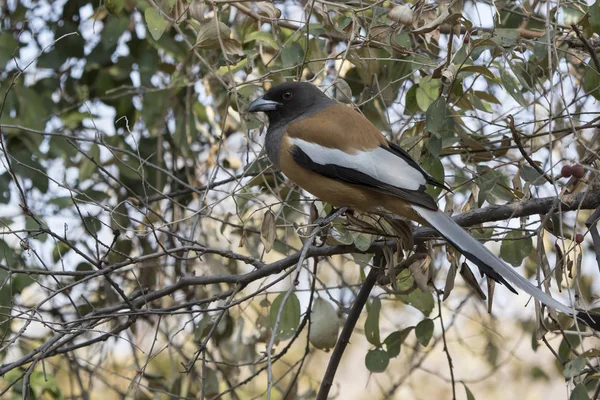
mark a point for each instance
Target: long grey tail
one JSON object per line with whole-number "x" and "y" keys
{"x": 489, "y": 263}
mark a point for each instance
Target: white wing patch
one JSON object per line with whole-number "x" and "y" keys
{"x": 378, "y": 163}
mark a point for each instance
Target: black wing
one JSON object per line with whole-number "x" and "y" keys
{"x": 354, "y": 177}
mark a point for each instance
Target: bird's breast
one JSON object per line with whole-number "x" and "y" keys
{"x": 273, "y": 144}
{"x": 329, "y": 190}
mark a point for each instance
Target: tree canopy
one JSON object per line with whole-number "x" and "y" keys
{"x": 149, "y": 249}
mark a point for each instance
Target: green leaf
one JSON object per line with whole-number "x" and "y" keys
{"x": 540, "y": 46}
{"x": 154, "y": 105}
{"x": 60, "y": 147}
{"x": 8, "y": 45}
{"x": 91, "y": 195}
{"x": 69, "y": 46}
{"x": 156, "y": 23}
{"x": 226, "y": 69}
{"x": 372, "y": 322}
{"x": 530, "y": 174}
{"x": 574, "y": 367}
{"x": 437, "y": 113}
{"x": 264, "y": 37}
{"x": 478, "y": 104}
{"x": 362, "y": 241}
{"x": 92, "y": 224}
{"x": 434, "y": 146}
{"x": 434, "y": 166}
{"x": 342, "y": 235}
{"x": 21, "y": 281}
{"x": 424, "y": 331}
{"x": 512, "y": 87}
{"x": 410, "y": 101}
{"x": 468, "y": 393}
{"x": 32, "y": 225}
{"x": 292, "y": 55}
{"x": 32, "y": 113}
{"x": 114, "y": 6}
{"x": 428, "y": 92}
{"x": 28, "y": 167}
{"x": 203, "y": 328}
{"x": 113, "y": 30}
{"x": 324, "y": 324}
{"x": 591, "y": 82}
{"x": 490, "y": 98}
{"x": 9, "y": 255}
{"x": 5, "y": 304}
{"x": 422, "y": 301}
{"x": 290, "y": 315}
{"x": 572, "y": 13}
{"x": 209, "y": 33}
{"x": 506, "y": 37}
{"x": 44, "y": 384}
{"x": 377, "y": 360}
{"x": 564, "y": 349}
{"x": 211, "y": 385}
{"x": 393, "y": 342}
{"x": 515, "y": 247}
{"x": 482, "y": 234}
{"x": 580, "y": 392}
{"x": 59, "y": 251}
{"x": 594, "y": 11}
{"x": 88, "y": 165}
{"x": 478, "y": 69}
{"x": 492, "y": 186}
{"x": 83, "y": 267}
{"x": 5, "y": 188}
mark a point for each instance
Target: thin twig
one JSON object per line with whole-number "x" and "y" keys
{"x": 588, "y": 47}
{"x": 314, "y": 231}
{"x": 448, "y": 357}
{"x": 517, "y": 138}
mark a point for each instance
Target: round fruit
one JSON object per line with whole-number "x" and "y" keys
{"x": 566, "y": 171}
{"x": 578, "y": 171}
{"x": 578, "y": 238}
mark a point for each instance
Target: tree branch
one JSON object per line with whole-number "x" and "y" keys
{"x": 344, "y": 338}
{"x": 589, "y": 200}
{"x": 588, "y": 47}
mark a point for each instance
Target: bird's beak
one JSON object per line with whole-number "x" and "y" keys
{"x": 261, "y": 104}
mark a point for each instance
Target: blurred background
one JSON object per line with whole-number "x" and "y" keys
{"x": 148, "y": 249}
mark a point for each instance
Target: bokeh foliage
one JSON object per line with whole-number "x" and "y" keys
{"x": 138, "y": 203}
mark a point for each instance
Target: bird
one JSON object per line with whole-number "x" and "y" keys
{"x": 336, "y": 154}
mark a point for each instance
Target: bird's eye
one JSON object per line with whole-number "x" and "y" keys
{"x": 287, "y": 95}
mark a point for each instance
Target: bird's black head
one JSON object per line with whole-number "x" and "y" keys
{"x": 289, "y": 101}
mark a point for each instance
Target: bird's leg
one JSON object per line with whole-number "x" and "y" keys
{"x": 333, "y": 214}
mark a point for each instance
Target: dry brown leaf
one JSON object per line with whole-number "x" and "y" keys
{"x": 433, "y": 25}
{"x": 402, "y": 14}
{"x": 469, "y": 278}
{"x": 420, "y": 272}
{"x": 208, "y": 34}
{"x": 491, "y": 286}
{"x": 343, "y": 92}
{"x": 268, "y": 9}
{"x": 267, "y": 230}
{"x": 449, "y": 286}
{"x": 233, "y": 47}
